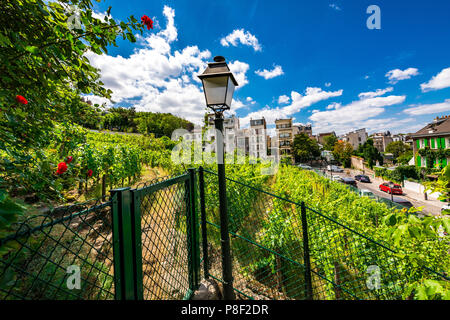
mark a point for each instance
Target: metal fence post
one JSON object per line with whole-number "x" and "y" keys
{"x": 201, "y": 179}
{"x": 137, "y": 244}
{"x": 192, "y": 233}
{"x": 306, "y": 258}
{"x": 123, "y": 244}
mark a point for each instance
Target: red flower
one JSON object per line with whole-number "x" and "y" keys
{"x": 21, "y": 100}
{"x": 69, "y": 159}
{"x": 147, "y": 21}
{"x": 90, "y": 172}
{"x": 62, "y": 167}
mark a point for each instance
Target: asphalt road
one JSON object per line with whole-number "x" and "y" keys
{"x": 430, "y": 207}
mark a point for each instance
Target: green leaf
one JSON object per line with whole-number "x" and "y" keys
{"x": 32, "y": 49}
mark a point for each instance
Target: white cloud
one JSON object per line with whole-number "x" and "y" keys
{"x": 283, "y": 99}
{"x": 239, "y": 69}
{"x": 158, "y": 79}
{"x": 348, "y": 117}
{"x": 328, "y": 84}
{"x": 428, "y": 108}
{"x": 298, "y": 102}
{"x": 269, "y": 74}
{"x": 439, "y": 81}
{"x": 378, "y": 92}
{"x": 396, "y": 75}
{"x": 335, "y": 7}
{"x": 243, "y": 37}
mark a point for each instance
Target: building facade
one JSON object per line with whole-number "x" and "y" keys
{"x": 285, "y": 136}
{"x": 307, "y": 129}
{"x": 356, "y": 138}
{"x": 258, "y": 139}
{"x": 381, "y": 140}
{"x": 435, "y": 136}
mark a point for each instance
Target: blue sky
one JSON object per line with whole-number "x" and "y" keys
{"x": 314, "y": 61}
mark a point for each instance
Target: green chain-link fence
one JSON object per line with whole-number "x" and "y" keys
{"x": 145, "y": 244}
{"x": 282, "y": 249}
{"x": 41, "y": 258}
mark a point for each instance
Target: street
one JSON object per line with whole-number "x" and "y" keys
{"x": 429, "y": 206}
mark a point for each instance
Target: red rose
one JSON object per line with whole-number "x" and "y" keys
{"x": 62, "y": 167}
{"x": 147, "y": 22}
{"x": 69, "y": 159}
{"x": 89, "y": 173}
{"x": 21, "y": 100}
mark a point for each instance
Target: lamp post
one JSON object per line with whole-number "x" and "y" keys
{"x": 218, "y": 86}
{"x": 391, "y": 186}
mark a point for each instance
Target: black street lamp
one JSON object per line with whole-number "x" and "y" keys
{"x": 218, "y": 85}
{"x": 391, "y": 186}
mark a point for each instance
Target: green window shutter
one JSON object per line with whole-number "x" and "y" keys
{"x": 432, "y": 143}
{"x": 425, "y": 142}
{"x": 438, "y": 140}
{"x": 443, "y": 143}
{"x": 418, "y": 143}
{"x": 419, "y": 162}
{"x": 444, "y": 162}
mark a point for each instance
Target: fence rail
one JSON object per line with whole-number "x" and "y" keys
{"x": 144, "y": 243}
{"x": 282, "y": 249}
{"x": 41, "y": 258}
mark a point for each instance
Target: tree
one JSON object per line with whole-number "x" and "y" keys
{"x": 442, "y": 185}
{"x": 342, "y": 152}
{"x": 369, "y": 153}
{"x": 397, "y": 148}
{"x": 44, "y": 71}
{"x": 330, "y": 142}
{"x": 305, "y": 149}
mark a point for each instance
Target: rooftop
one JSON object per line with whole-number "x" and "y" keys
{"x": 439, "y": 126}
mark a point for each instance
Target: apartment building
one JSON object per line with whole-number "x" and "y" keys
{"x": 307, "y": 129}
{"x": 436, "y": 136}
{"x": 285, "y": 136}
{"x": 356, "y": 138}
{"x": 381, "y": 140}
{"x": 258, "y": 138}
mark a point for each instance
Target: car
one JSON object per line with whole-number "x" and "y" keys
{"x": 304, "y": 166}
{"x": 333, "y": 168}
{"x": 362, "y": 178}
{"x": 349, "y": 181}
{"x": 366, "y": 193}
{"x": 444, "y": 208}
{"x": 391, "y": 187}
{"x": 337, "y": 178}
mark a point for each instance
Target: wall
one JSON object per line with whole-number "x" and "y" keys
{"x": 357, "y": 163}
{"x": 418, "y": 188}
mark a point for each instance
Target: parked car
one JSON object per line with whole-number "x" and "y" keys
{"x": 334, "y": 168}
{"x": 362, "y": 178}
{"x": 366, "y": 193}
{"x": 304, "y": 166}
{"x": 337, "y": 178}
{"x": 349, "y": 181}
{"x": 395, "y": 189}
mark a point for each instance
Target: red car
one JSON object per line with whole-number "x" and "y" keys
{"x": 396, "y": 188}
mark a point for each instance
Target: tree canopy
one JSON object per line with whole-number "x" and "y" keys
{"x": 398, "y": 148}
{"x": 342, "y": 152}
{"x": 305, "y": 148}
{"x": 329, "y": 142}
